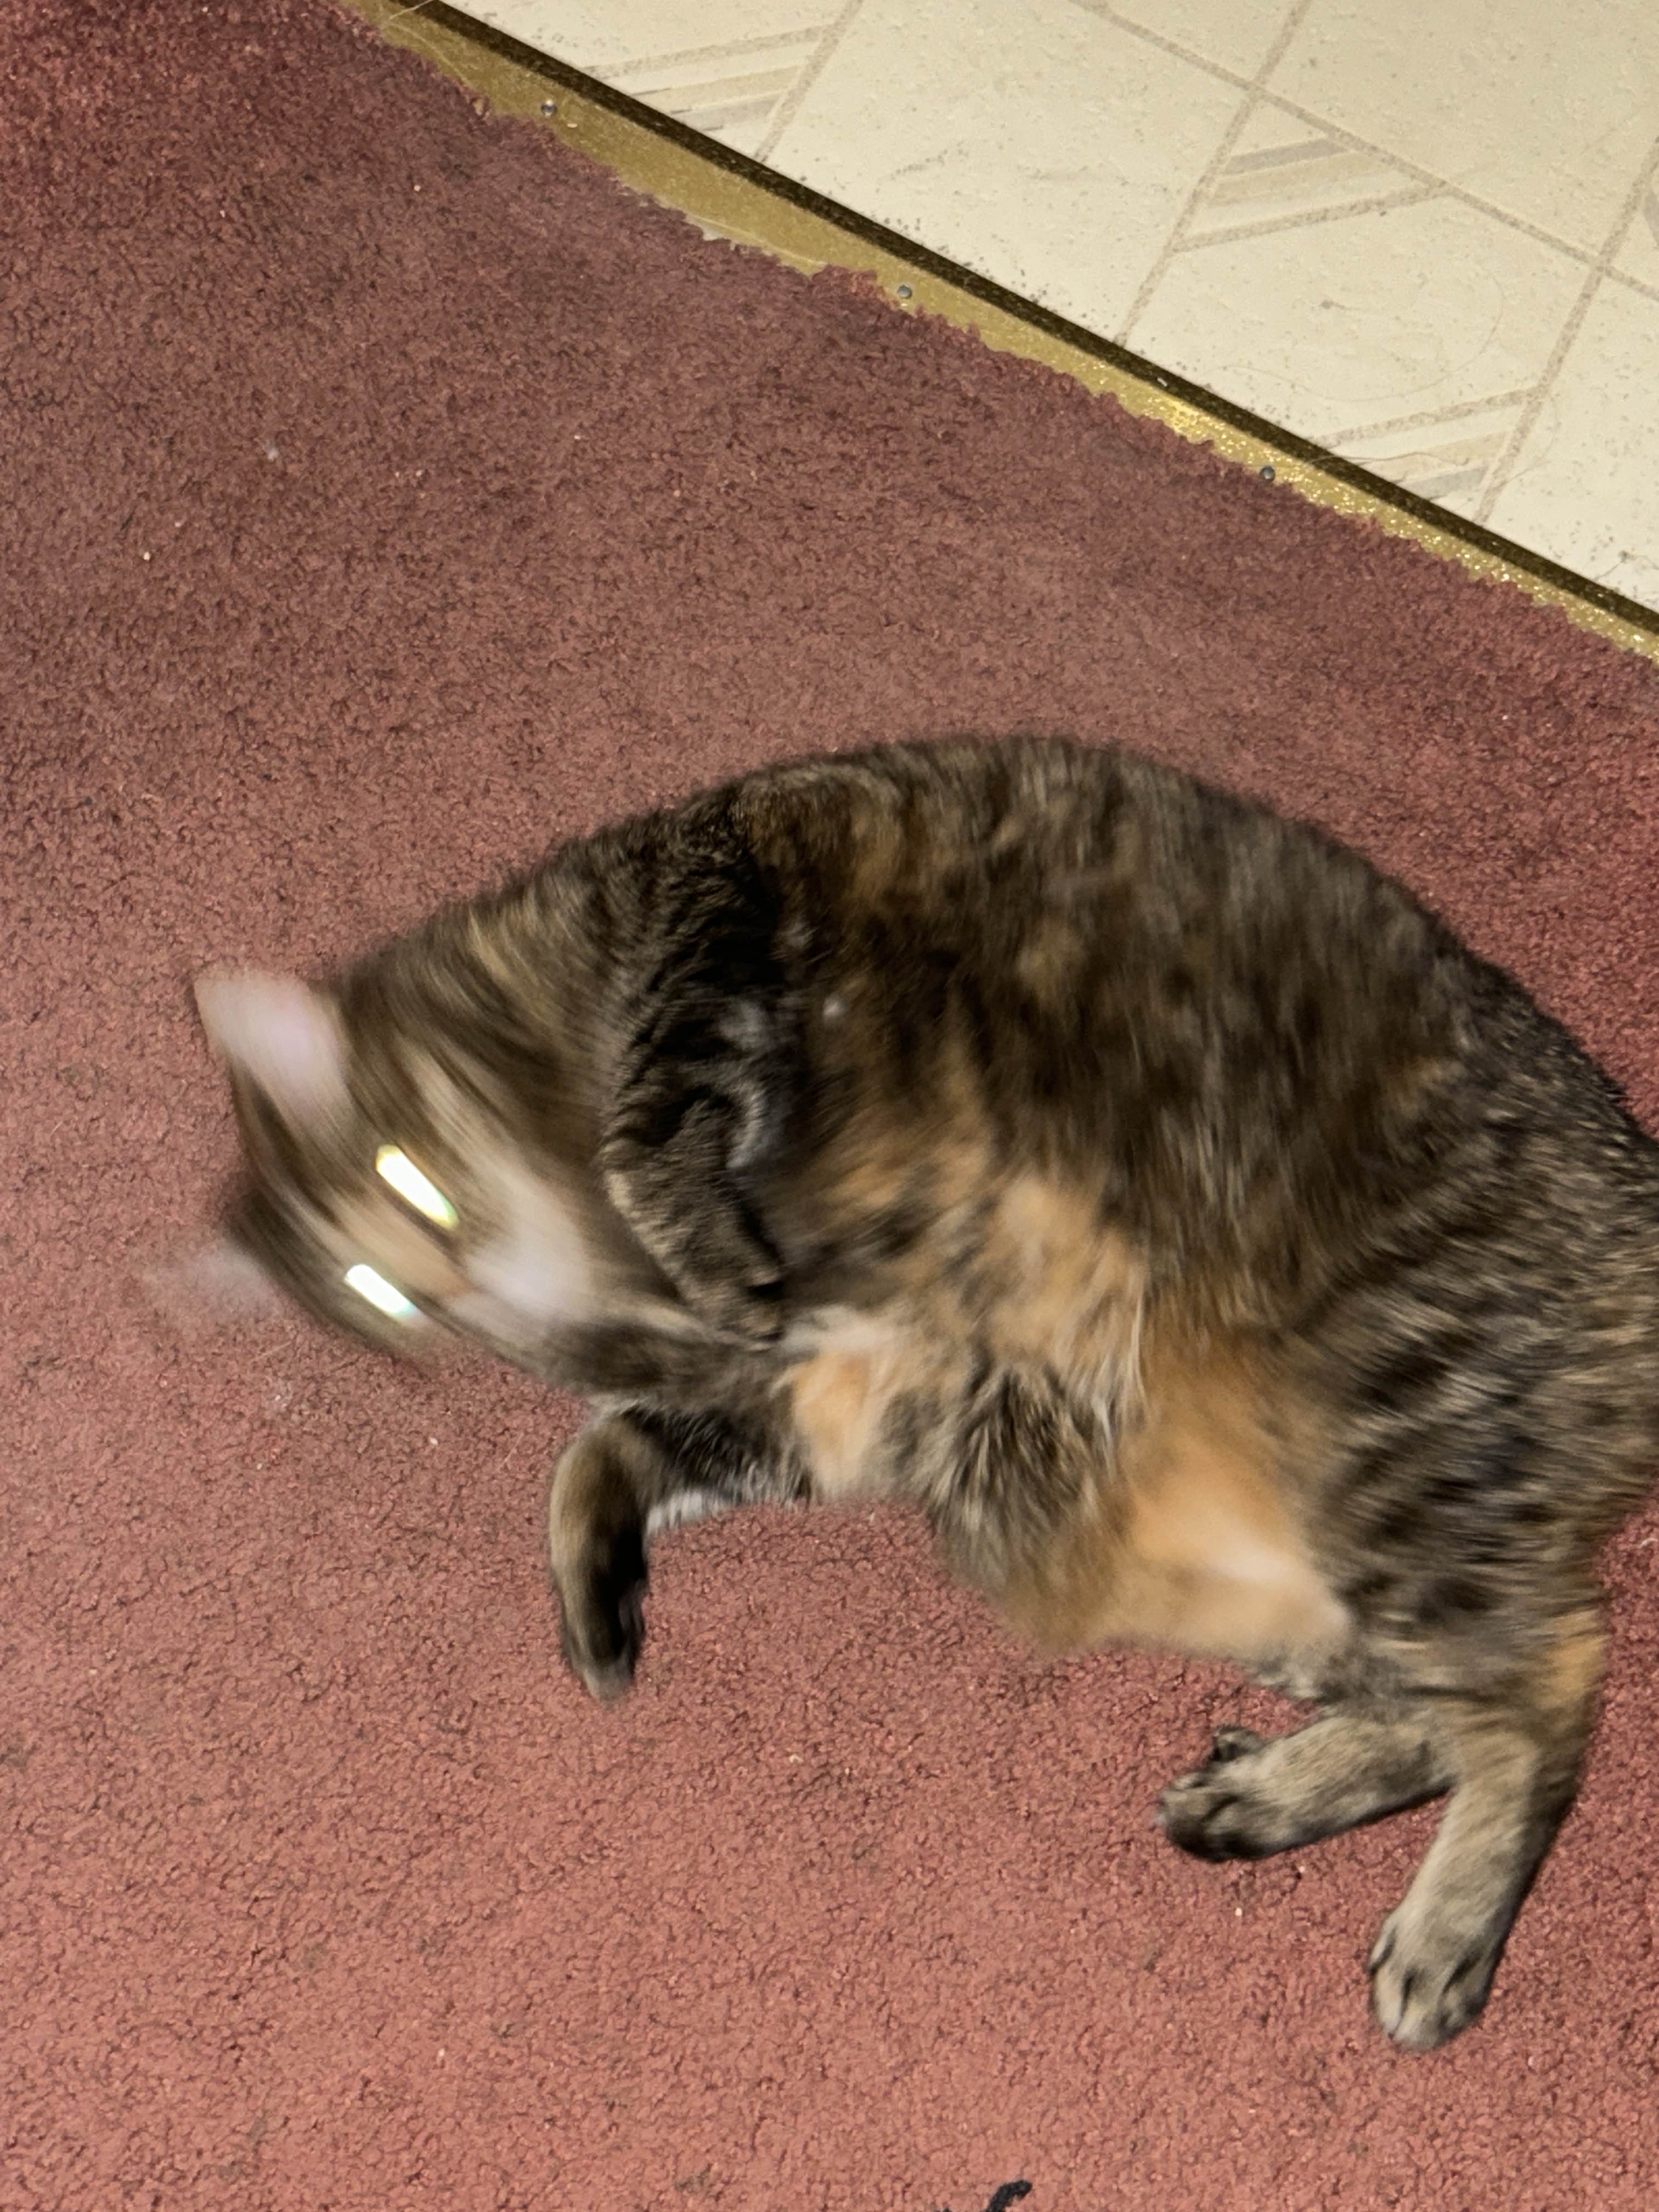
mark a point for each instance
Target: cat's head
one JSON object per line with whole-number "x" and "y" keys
{"x": 386, "y": 1192}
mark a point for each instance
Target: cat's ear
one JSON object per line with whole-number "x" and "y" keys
{"x": 282, "y": 1036}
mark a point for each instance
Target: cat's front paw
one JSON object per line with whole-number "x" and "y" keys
{"x": 1213, "y": 1812}
{"x": 603, "y": 1625}
{"x": 1429, "y": 1979}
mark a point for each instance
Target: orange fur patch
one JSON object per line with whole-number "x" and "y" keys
{"x": 1197, "y": 1546}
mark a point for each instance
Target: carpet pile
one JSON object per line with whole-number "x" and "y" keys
{"x": 387, "y": 494}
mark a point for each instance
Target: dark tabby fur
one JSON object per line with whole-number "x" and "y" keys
{"x": 1218, "y": 1253}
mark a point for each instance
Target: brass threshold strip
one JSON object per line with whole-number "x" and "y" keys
{"x": 728, "y": 195}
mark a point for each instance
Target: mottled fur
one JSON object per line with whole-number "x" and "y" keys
{"x": 1216, "y": 1251}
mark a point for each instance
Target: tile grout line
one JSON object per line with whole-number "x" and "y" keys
{"x": 1632, "y": 283}
{"x": 789, "y": 106}
{"x": 1499, "y": 476}
{"x": 1173, "y": 238}
{"x": 729, "y": 49}
{"x": 1427, "y": 417}
{"x": 1107, "y": 14}
{"x": 1342, "y": 136}
{"x": 1453, "y": 191}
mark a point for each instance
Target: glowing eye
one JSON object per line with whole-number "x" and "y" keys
{"x": 400, "y": 1171}
{"x": 379, "y": 1293}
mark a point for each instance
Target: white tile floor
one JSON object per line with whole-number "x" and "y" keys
{"x": 1424, "y": 233}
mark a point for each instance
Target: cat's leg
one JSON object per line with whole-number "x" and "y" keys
{"x": 1515, "y": 1762}
{"x": 700, "y": 1107}
{"x": 1257, "y": 1795}
{"x": 628, "y": 1476}
{"x": 596, "y": 1507}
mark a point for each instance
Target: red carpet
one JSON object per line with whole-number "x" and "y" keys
{"x": 385, "y": 495}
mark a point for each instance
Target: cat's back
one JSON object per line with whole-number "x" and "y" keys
{"x": 1054, "y": 917}
{"x": 1212, "y": 1027}
{"x": 1039, "y": 860}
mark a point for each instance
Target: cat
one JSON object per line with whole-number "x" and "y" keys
{"x": 1219, "y": 1253}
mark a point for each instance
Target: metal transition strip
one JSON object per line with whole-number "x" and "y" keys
{"x": 730, "y": 196}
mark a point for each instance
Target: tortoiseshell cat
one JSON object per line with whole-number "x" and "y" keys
{"x": 1218, "y": 1253}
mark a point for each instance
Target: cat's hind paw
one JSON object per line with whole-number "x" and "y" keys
{"x": 1429, "y": 1983}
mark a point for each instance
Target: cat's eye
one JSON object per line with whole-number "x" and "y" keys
{"x": 385, "y": 1297}
{"x": 395, "y": 1167}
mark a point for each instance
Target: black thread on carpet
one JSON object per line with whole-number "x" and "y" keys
{"x": 1010, "y": 2193}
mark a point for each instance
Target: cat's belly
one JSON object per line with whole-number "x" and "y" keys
{"x": 1204, "y": 1550}
{"x": 1218, "y": 1586}
{"x": 1186, "y": 1530}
